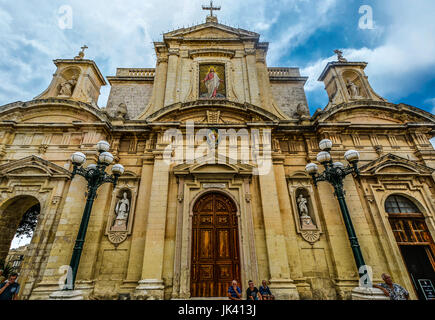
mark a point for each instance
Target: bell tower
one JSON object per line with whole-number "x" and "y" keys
{"x": 347, "y": 82}
{"x": 76, "y": 79}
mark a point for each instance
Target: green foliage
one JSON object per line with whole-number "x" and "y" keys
{"x": 7, "y": 269}
{"x": 28, "y": 222}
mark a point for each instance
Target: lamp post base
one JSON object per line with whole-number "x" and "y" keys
{"x": 67, "y": 295}
{"x": 364, "y": 293}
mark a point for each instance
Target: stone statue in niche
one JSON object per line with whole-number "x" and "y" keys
{"x": 67, "y": 87}
{"x": 122, "y": 210}
{"x": 353, "y": 89}
{"x": 306, "y": 221}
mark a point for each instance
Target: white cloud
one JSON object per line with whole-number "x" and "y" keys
{"x": 399, "y": 65}
{"x": 120, "y": 34}
{"x": 431, "y": 103}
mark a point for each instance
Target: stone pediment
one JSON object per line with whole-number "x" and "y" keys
{"x": 31, "y": 167}
{"x": 211, "y": 30}
{"x": 391, "y": 164}
{"x": 215, "y": 166}
{"x": 202, "y": 111}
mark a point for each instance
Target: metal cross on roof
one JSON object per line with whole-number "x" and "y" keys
{"x": 211, "y": 8}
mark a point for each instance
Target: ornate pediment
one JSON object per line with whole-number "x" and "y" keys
{"x": 214, "y": 165}
{"x": 213, "y": 111}
{"x": 33, "y": 166}
{"x": 391, "y": 164}
{"x": 210, "y": 31}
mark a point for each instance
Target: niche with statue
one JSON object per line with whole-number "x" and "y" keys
{"x": 305, "y": 210}
{"x": 354, "y": 85}
{"x": 122, "y": 211}
{"x": 120, "y": 220}
{"x": 67, "y": 82}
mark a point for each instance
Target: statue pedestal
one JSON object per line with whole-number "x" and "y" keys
{"x": 120, "y": 225}
{"x": 364, "y": 293}
{"x": 67, "y": 295}
{"x": 307, "y": 223}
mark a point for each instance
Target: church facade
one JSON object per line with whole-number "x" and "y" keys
{"x": 215, "y": 144}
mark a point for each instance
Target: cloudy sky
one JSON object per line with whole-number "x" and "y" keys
{"x": 399, "y": 45}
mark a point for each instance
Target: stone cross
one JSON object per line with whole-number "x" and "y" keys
{"x": 81, "y": 53}
{"x": 211, "y": 8}
{"x": 340, "y": 55}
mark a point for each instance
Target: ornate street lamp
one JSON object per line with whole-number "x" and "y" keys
{"x": 334, "y": 173}
{"x": 95, "y": 175}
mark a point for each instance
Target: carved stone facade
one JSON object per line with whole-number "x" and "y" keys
{"x": 148, "y": 254}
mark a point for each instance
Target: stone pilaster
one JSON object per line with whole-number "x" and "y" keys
{"x": 251, "y": 64}
{"x": 135, "y": 261}
{"x": 171, "y": 82}
{"x": 151, "y": 286}
{"x": 160, "y": 83}
{"x": 288, "y": 223}
{"x": 281, "y": 283}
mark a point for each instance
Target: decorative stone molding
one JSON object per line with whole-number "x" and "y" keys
{"x": 211, "y": 53}
{"x": 308, "y": 221}
{"x": 117, "y": 231}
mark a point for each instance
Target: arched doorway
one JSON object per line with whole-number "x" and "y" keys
{"x": 415, "y": 243}
{"x": 18, "y": 214}
{"x": 215, "y": 246}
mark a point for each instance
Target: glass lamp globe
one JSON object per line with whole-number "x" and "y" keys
{"x": 78, "y": 158}
{"x": 106, "y": 158}
{"x": 338, "y": 165}
{"x": 92, "y": 167}
{"x": 352, "y": 156}
{"x": 118, "y": 170}
{"x": 311, "y": 168}
{"x": 103, "y": 146}
{"x": 325, "y": 144}
{"x": 324, "y": 156}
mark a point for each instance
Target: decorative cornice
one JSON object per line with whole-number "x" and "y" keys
{"x": 55, "y": 101}
{"x": 212, "y": 52}
{"x": 390, "y": 159}
{"x": 340, "y": 64}
{"x": 321, "y": 116}
{"x": 221, "y": 103}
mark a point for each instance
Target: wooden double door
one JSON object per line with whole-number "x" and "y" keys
{"x": 215, "y": 246}
{"x": 418, "y": 251}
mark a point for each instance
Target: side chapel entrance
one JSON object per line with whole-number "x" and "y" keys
{"x": 415, "y": 243}
{"x": 215, "y": 246}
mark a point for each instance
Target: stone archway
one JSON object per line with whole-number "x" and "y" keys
{"x": 215, "y": 259}
{"x": 11, "y": 213}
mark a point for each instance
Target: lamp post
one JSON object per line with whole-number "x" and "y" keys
{"x": 334, "y": 173}
{"x": 96, "y": 175}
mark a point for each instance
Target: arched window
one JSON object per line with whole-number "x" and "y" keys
{"x": 400, "y": 204}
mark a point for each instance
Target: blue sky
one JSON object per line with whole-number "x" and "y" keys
{"x": 400, "y": 48}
